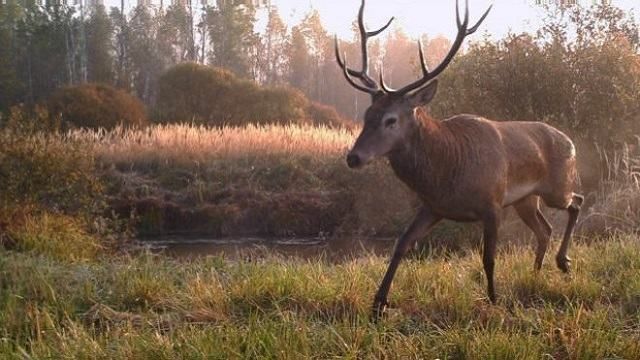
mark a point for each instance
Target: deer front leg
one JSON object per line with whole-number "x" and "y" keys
{"x": 419, "y": 228}
{"x": 490, "y": 238}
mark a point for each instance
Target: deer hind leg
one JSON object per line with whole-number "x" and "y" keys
{"x": 562, "y": 260}
{"x": 419, "y": 228}
{"x": 529, "y": 211}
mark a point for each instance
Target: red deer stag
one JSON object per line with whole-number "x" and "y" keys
{"x": 465, "y": 168}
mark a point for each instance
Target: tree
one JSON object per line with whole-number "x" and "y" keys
{"x": 319, "y": 47}
{"x": 98, "y": 46}
{"x": 275, "y": 43}
{"x": 232, "y": 36}
{"x": 120, "y": 25}
{"x": 177, "y": 32}
{"x": 12, "y": 85}
{"x": 299, "y": 60}
{"x": 144, "y": 55}
{"x": 49, "y": 56}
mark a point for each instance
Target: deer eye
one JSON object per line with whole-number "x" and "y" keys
{"x": 390, "y": 122}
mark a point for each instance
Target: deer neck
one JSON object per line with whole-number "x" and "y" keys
{"x": 427, "y": 161}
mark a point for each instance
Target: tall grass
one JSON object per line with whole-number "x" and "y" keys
{"x": 187, "y": 144}
{"x": 197, "y": 166}
{"x": 254, "y": 180}
{"x": 616, "y": 202}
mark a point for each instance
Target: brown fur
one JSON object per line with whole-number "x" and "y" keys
{"x": 439, "y": 158}
{"x": 466, "y": 168}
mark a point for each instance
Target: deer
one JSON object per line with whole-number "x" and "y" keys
{"x": 465, "y": 168}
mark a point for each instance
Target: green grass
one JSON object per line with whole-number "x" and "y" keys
{"x": 154, "y": 307}
{"x": 67, "y": 292}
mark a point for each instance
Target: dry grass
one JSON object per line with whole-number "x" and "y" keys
{"x": 196, "y": 166}
{"x": 186, "y": 144}
{"x": 616, "y": 202}
{"x": 248, "y": 181}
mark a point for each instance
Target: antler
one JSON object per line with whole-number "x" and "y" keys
{"x": 368, "y": 84}
{"x": 463, "y": 32}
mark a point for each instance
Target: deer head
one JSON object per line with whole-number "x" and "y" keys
{"x": 391, "y": 117}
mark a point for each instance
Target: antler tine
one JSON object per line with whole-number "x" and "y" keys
{"x": 423, "y": 61}
{"x": 377, "y": 32}
{"x": 368, "y": 84}
{"x": 463, "y": 32}
{"x": 345, "y": 70}
{"x": 466, "y": 13}
{"x": 477, "y": 25}
{"x": 384, "y": 86}
{"x": 337, "y": 50}
{"x": 350, "y": 72}
{"x": 364, "y": 38}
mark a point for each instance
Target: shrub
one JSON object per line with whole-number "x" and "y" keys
{"x": 47, "y": 171}
{"x": 191, "y": 92}
{"x": 30, "y": 119}
{"x": 96, "y": 106}
{"x": 61, "y": 237}
{"x": 586, "y": 83}
{"x": 212, "y": 96}
{"x": 258, "y": 105}
{"x": 321, "y": 114}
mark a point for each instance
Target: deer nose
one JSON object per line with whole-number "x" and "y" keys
{"x": 353, "y": 161}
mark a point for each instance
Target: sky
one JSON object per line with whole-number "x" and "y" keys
{"x": 433, "y": 17}
{"x": 416, "y": 17}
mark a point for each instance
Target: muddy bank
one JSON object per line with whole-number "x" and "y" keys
{"x": 240, "y": 213}
{"x": 307, "y": 202}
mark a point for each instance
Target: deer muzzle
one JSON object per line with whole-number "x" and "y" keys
{"x": 354, "y": 161}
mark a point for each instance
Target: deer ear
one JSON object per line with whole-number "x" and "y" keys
{"x": 424, "y": 95}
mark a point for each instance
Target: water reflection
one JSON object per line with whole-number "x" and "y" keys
{"x": 243, "y": 248}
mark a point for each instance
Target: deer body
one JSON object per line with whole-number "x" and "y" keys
{"x": 508, "y": 161}
{"x": 466, "y": 168}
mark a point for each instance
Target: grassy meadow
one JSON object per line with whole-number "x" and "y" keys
{"x": 72, "y": 286}
{"x": 153, "y": 307}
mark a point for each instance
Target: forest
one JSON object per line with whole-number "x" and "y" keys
{"x": 173, "y": 185}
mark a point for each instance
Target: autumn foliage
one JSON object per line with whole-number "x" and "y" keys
{"x": 212, "y": 96}
{"x": 96, "y": 106}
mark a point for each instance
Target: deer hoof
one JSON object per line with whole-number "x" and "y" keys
{"x": 379, "y": 308}
{"x": 564, "y": 264}
{"x": 493, "y": 299}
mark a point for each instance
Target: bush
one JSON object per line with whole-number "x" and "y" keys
{"x": 190, "y": 92}
{"x": 586, "y": 83}
{"x": 52, "y": 200}
{"x": 48, "y": 172}
{"x": 321, "y": 114}
{"x": 61, "y": 237}
{"x": 96, "y": 106}
{"x": 212, "y": 96}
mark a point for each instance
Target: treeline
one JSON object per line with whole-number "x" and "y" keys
{"x": 55, "y": 45}
{"x": 579, "y": 71}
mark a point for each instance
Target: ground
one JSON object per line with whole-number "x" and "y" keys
{"x": 262, "y": 305}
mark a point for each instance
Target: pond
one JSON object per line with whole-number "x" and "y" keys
{"x": 240, "y": 248}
